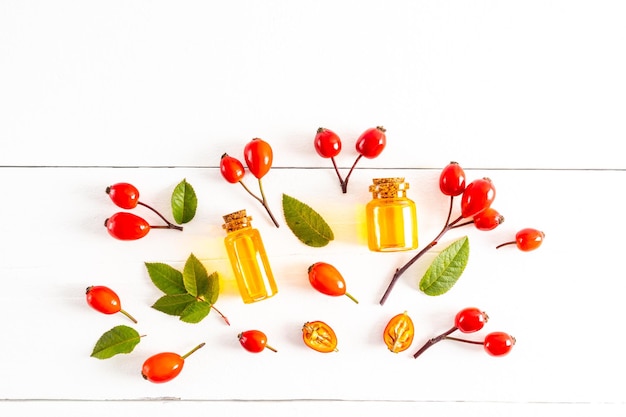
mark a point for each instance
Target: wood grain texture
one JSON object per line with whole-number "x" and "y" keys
{"x": 529, "y": 95}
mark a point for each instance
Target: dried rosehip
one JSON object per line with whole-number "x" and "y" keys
{"x": 398, "y": 334}
{"x": 319, "y": 336}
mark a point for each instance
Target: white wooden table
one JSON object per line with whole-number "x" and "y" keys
{"x": 530, "y": 94}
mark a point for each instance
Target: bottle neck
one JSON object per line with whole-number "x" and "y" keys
{"x": 388, "y": 188}
{"x": 236, "y": 221}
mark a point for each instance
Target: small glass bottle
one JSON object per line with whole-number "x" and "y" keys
{"x": 390, "y": 217}
{"x": 248, "y": 258}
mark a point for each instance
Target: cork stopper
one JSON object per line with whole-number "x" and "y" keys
{"x": 388, "y": 187}
{"x": 236, "y": 220}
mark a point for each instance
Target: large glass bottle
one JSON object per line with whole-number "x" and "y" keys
{"x": 248, "y": 258}
{"x": 391, "y": 217}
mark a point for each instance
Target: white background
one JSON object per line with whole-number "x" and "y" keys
{"x": 529, "y": 94}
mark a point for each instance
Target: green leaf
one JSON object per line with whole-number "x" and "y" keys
{"x": 120, "y": 339}
{"x": 166, "y": 278}
{"x": 306, "y": 223}
{"x": 446, "y": 268}
{"x": 195, "y": 312}
{"x": 213, "y": 288}
{"x": 188, "y": 294}
{"x": 184, "y": 202}
{"x": 195, "y": 277}
{"x": 174, "y": 304}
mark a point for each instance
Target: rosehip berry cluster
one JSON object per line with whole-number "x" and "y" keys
{"x": 369, "y": 144}
{"x": 128, "y": 226}
{"x": 475, "y": 209}
{"x": 258, "y": 155}
{"x": 471, "y": 320}
{"x": 476, "y": 200}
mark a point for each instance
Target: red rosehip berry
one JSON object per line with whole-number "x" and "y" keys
{"x": 231, "y": 168}
{"x": 258, "y": 156}
{"x": 452, "y": 179}
{"x": 165, "y": 366}
{"x": 124, "y": 195}
{"x": 254, "y": 341}
{"x": 371, "y": 142}
{"x": 477, "y": 197}
{"x": 526, "y": 240}
{"x": 326, "y": 279}
{"x": 126, "y": 226}
{"x": 105, "y": 300}
{"x": 488, "y": 219}
{"x": 470, "y": 320}
{"x": 327, "y": 143}
{"x": 498, "y": 343}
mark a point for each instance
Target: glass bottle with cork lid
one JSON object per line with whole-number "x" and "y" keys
{"x": 248, "y": 258}
{"x": 391, "y": 217}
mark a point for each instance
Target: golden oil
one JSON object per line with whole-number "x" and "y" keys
{"x": 391, "y": 217}
{"x": 248, "y": 258}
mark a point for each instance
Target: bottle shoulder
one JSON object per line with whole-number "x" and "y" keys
{"x": 245, "y": 233}
{"x": 394, "y": 201}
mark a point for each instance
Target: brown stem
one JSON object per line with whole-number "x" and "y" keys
{"x": 170, "y": 225}
{"x": 406, "y": 266}
{"x": 344, "y": 184}
{"x": 341, "y": 182}
{"x": 220, "y": 313}
{"x": 474, "y": 342}
{"x": 271, "y": 348}
{"x": 462, "y": 224}
{"x": 506, "y": 243}
{"x": 401, "y": 270}
{"x": 264, "y": 202}
{"x": 450, "y": 210}
{"x": 250, "y": 192}
{"x": 432, "y": 341}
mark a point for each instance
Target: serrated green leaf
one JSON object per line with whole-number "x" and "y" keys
{"x": 306, "y": 223}
{"x": 213, "y": 290}
{"x": 120, "y": 339}
{"x": 184, "y": 202}
{"x": 195, "y": 277}
{"x": 166, "y": 278}
{"x": 195, "y": 312}
{"x": 174, "y": 304}
{"x": 446, "y": 268}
